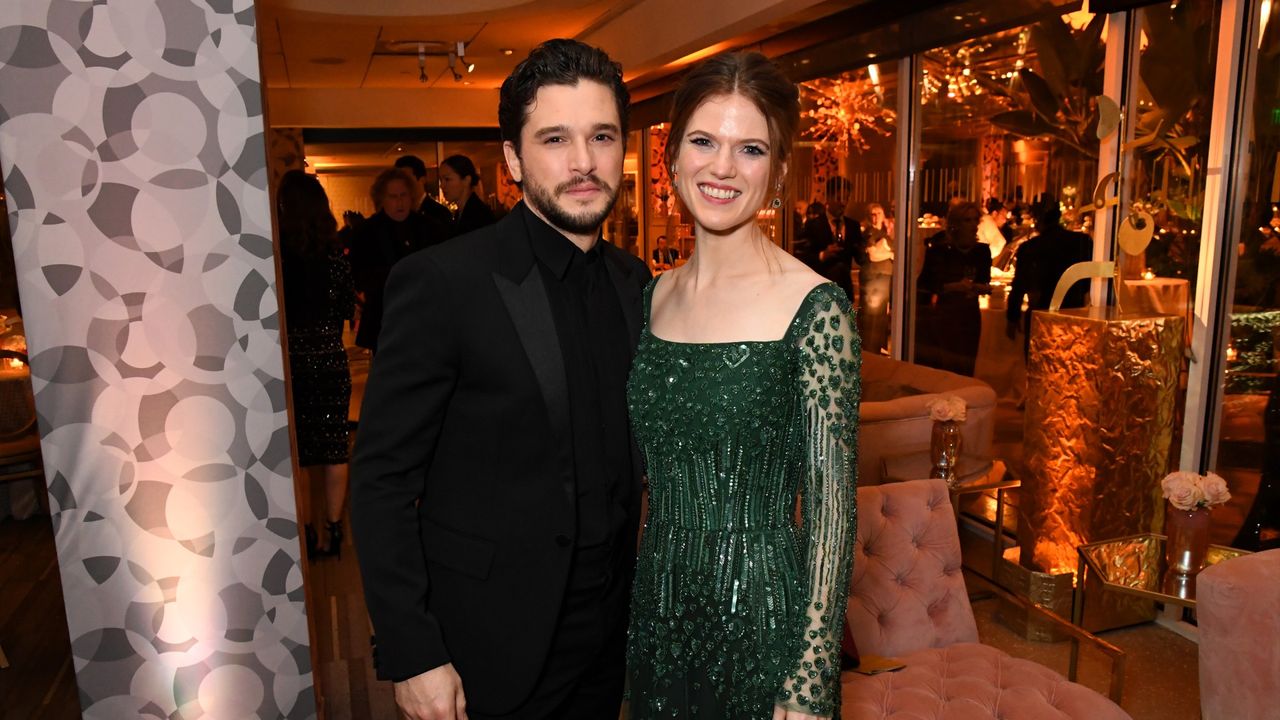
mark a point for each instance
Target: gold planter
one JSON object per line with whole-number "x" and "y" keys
{"x": 1101, "y": 398}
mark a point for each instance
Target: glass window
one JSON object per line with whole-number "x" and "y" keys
{"x": 1249, "y": 417}
{"x": 1008, "y": 148}
{"x": 843, "y": 181}
{"x": 1167, "y": 150}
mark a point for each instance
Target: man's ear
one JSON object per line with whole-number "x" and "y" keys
{"x": 513, "y": 160}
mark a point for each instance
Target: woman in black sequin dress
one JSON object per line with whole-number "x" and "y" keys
{"x": 318, "y": 297}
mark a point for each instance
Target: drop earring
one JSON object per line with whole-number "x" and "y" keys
{"x": 776, "y": 203}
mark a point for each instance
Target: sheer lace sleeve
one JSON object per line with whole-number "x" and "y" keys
{"x": 830, "y": 383}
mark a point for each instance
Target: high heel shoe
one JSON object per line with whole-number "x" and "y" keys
{"x": 335, "y": 538}
{"x": 313, "y": 541}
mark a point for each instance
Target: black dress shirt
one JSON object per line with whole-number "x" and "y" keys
{"x": 597, "y": 359}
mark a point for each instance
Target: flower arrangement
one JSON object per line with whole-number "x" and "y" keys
{"x": 947, "y": 408}
{"x": 1189, "y": 491}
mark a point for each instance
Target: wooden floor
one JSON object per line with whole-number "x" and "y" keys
{"x": 39, "y": 683}
{"x": 348, "y": 688}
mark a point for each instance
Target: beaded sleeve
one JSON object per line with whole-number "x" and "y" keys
{"x": 830, "y": 386}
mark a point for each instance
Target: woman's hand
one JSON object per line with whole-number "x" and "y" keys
{"x": 782, "y": 713}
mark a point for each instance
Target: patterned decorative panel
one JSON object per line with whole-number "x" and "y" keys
{"x": 663, "y": 195}
{"x": 826, "y": 165}
{"x": 992, "y": 162}
{"x": 131, "y": 142}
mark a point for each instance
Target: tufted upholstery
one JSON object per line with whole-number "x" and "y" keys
{"x": 908, "y": 600}
{"x": 1236, "y": 603}
{"x": 907, "y": 591}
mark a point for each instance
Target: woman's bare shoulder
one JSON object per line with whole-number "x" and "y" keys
{"x": 797, "y": 278}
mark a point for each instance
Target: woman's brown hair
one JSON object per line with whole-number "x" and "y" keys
{"x": 754, "y": 77}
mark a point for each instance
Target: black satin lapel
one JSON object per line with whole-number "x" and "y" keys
{"x": 628, "y": 296}
{"x": 531, "y": 312}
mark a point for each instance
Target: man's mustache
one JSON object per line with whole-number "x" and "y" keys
{"x": 592, "y": 180}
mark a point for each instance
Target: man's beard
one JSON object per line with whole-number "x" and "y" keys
{"x": 580, "y": 223}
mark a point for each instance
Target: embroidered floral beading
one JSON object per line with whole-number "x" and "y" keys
{"x": 736, "y": 607}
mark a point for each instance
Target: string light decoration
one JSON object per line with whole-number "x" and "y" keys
{"x": 844, "y": 110}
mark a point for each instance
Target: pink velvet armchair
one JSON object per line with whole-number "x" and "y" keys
{"x": 908, "y": 600}
{"x": 1236, "y": 607}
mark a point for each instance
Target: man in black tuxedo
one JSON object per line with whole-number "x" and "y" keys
{"x": 495, "y": 487}
{"x": 439, "y": 216}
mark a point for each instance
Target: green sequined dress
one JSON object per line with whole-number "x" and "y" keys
{"x": 736, "y": 607}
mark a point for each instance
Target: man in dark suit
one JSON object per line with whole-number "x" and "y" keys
{"x": 1040, "y": 263}
{"x": 495, "y": 487}
{"x": 383, "y": 240}
{"x": 439, "y": 216}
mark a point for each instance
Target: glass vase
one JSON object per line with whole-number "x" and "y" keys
{"x": 1187, "y": 539}
{"x": 944, "y": 450}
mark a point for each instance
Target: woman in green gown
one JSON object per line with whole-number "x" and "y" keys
{"x": 744, "y": 397}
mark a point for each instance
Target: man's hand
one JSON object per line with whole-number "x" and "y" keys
{"x": 434, "y": 695}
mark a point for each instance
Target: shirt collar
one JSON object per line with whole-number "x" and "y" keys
{"x": 552, "y": 248}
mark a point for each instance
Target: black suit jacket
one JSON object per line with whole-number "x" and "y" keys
{"x": 377, "y": 246}
{"x": 463, "y": 497}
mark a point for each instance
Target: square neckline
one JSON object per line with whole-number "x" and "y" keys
{"x": 786, "y": 335}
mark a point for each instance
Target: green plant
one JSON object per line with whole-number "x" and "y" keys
{"x": 1059, "y": 102}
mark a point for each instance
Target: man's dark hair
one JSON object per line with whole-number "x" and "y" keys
{"x": 413, "y": 164}
{"x": 1045, "y": 210}
{"x": 557, "y": 62}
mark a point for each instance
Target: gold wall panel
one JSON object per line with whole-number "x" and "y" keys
{"x": 1101, "y": 397}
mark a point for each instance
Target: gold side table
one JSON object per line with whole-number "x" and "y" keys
{"x": 1134, "y": 565}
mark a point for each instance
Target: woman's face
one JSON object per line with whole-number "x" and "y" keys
{"x": 455, "y": 187}
{"x": 723, "y": 163}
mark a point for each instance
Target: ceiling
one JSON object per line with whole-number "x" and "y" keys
{"x": 332, "y": 63}
{"x": 308, "y": 49}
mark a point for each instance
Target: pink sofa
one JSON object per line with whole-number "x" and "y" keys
{"x": 908, "y": 600}
{"x": 1238, "y": 611}
{"x": 894, "y": 418}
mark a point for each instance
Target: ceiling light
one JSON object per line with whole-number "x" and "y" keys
{"x": 507, "y": 51}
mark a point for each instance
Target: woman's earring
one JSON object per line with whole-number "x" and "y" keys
{"x": 776, "y": 203}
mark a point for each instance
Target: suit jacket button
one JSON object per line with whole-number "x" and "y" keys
{"x": 562, "y": 540}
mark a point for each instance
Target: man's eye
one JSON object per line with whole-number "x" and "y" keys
{"x": 604, "y": 137}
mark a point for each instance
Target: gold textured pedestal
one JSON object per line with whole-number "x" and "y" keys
{"x": 1051, "y": 591}
{"x": 1101, "y": 396}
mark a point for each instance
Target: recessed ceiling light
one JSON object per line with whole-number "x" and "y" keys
{"x": 507, "y": 51}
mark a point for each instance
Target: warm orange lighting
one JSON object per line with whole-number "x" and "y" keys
{"x": 698, "y": 55}
{"x": 14, "y": 363}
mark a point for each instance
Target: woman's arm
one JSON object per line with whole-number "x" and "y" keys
{"x": 830, "y": 364}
